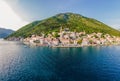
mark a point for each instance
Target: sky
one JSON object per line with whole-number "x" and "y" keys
{"x": 16, "y": 13}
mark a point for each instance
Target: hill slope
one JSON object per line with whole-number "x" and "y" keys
{"x": 74, "y": 22}
{"x": 5, "y": 32}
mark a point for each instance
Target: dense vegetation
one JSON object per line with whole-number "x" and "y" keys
{"x": 74, "y": 22}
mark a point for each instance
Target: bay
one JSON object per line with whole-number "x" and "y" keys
{"x": 19, "y": 62}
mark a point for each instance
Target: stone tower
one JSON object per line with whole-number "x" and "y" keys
{"x": 61, "y": 33}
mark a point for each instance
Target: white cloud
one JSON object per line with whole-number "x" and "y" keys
{"x": 8, "y": 18}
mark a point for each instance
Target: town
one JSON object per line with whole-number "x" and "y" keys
{"x": 66, "y": 38}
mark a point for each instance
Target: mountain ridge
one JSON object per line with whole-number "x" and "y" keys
{"x": 5, "y": 32}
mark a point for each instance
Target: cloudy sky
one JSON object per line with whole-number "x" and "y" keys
{"x": 17, "y": 13}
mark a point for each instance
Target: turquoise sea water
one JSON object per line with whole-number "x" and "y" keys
{"x": 22, "y": 63}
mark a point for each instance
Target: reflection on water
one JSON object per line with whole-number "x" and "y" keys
{"x": 21, "y": 63}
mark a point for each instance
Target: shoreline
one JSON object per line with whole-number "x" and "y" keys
{"x": 72, "y": 46}
{"x": 61, "y": 46}
{"x": 69, "y": 39}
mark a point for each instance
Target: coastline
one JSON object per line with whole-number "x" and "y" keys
{"x": 69, "y": 46}
{"x": 61, "y": 46}
{"x": 69, "y": 39}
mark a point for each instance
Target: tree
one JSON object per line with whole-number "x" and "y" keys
{"x": 56, "y": 35}
{"x": 79, "y": 41}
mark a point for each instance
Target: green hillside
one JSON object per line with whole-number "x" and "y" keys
{"x": 74, "y": 22}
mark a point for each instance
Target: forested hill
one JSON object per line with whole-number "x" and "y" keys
{"x": 74, "y": 22}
